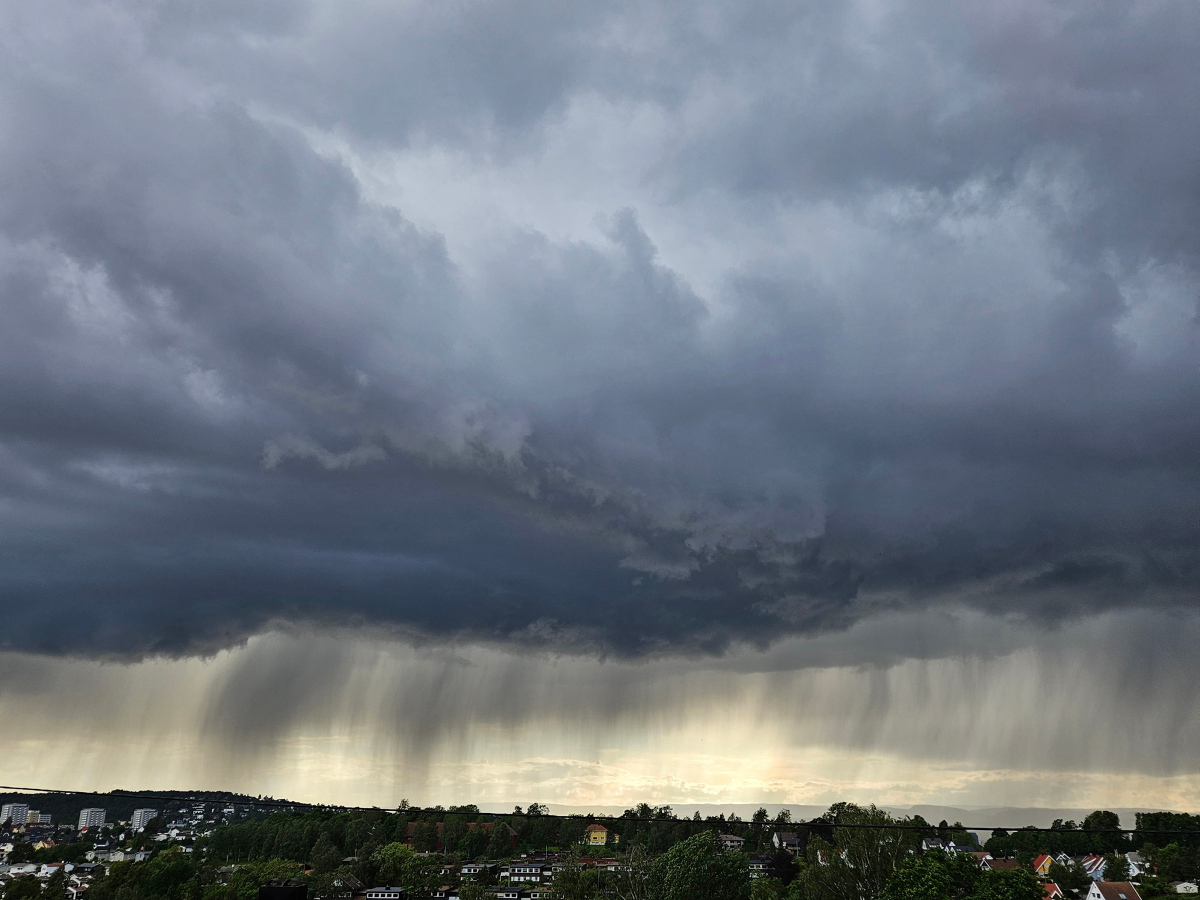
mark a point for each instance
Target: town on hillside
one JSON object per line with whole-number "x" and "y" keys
{"x": 239, "y": 848}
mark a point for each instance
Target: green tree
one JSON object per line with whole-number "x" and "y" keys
{"x": 636, "y": 880}
{"x": 398, "y": 865}
{"x": 473, "y": 844}
{"x": 693, "y": 870}
{"x": 1173, "y": 862}
{"x": 499, "y": 842}
{"x": 358, "y": 832}
{"x": 452, "y": 833}
{"x": 21, "y": 852}
{"x": 169, "y": 875}
{"x": 56, "y": 886}
{"x": 1112, "y": 839}
{"x": 325, "y": 856}
{"x": 572, "y": 882}
{"x": 25, "y": 887}
{"x": 331, "y": 884}
{"x": 861, "y": 861}
{"x": 1116, "y": 867}
{"x": 424, "y": 837}
{"x": 1011, "y": 884}
{"x": 1072, "y": 879}
{"x": 767, "y": 889}
{"x": 471, "y": 891}
{"x": 921, "y": 878}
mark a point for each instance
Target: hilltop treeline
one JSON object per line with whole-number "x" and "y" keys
{"x": 465, "y": 831}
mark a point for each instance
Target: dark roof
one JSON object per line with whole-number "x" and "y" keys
{"x": 997, "y": 865}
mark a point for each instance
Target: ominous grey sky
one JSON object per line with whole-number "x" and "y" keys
{"x": 638, "y": 331}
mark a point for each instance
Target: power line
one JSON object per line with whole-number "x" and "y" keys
{"x": 288, "y": 804}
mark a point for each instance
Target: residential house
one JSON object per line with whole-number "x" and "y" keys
{"x": 1112, "y": 890}
{"x": 385, "y": 893}
{"x": 760, "y": 867}
{"x": 471, "y": 871}
{"x": 596, "y": 834}
{"x": 932, "y": 843}
{"x": 730, "y": 841}
{"x": 787, "y": 840}
{"x": 981, "y": 855}
{"x": 1138, "y": 865}
{"x": 1185, "y": 887}
{"x": 999, "y": 865}
{"x": 1052, "y": 891}
{"x": 1041, "y": 865}
{"x": 525, "y": 871}
{"x": 1093, "y": 864}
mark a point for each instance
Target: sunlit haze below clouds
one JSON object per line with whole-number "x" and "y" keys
{"x": 601, "y": 403}
{"x": 347, "y": 718}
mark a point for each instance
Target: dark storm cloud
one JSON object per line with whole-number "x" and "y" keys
{"x": 239, "y": 389}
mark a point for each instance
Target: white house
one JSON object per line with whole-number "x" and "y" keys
{"x": 1093, "y": 865}
{"x": 730, "y": 841}
{"x": 1138, "y": 865}
{"x": 1185, "y": 887}
{"x": 385, "y": 893}
{"x": 1112, "y": 890}
{"x": 786, "y": 840}
{"x": 525, "y": 871}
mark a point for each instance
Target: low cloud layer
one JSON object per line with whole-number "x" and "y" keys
{"x": 626, "y": 330}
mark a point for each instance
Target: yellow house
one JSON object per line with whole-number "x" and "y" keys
{"x": 596, "y": 834}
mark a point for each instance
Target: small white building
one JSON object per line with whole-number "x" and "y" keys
{"x": 1185, "y": 887}
{"x": 730, "y": 842}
